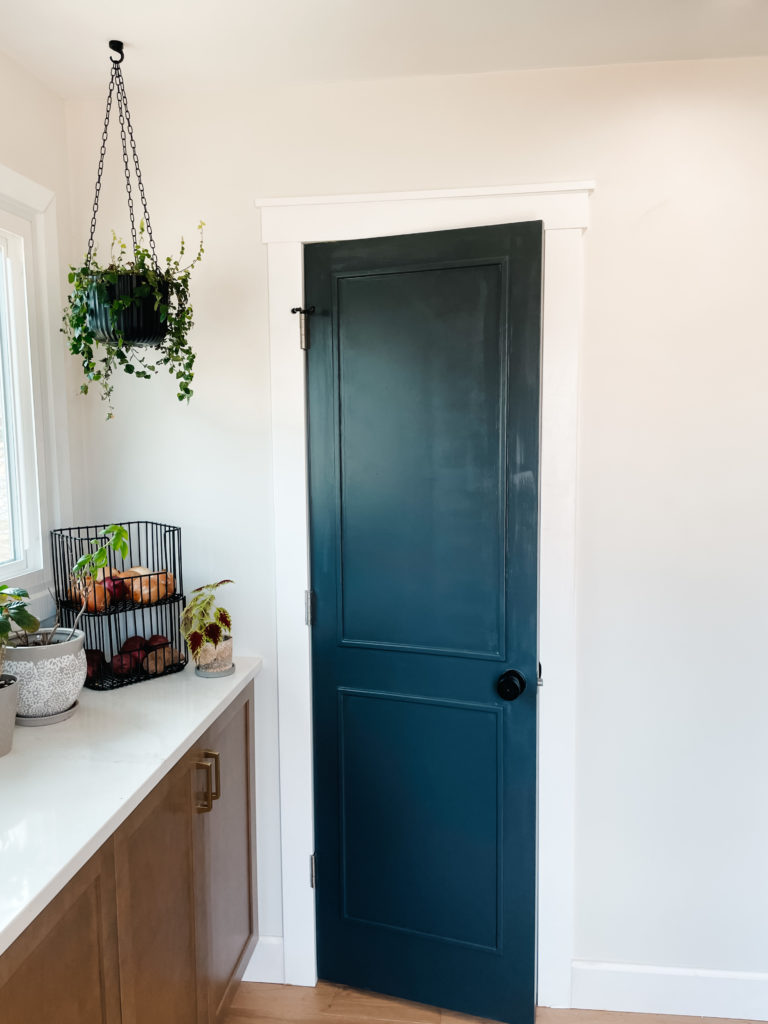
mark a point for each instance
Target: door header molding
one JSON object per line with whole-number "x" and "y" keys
{"x": 545, "y": 188}
{"x": 317, "y": 218}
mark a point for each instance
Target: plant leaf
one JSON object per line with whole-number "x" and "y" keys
{"x": 24, "y": 619}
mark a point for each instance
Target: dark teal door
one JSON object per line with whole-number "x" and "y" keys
{"x": 424, "y": 468}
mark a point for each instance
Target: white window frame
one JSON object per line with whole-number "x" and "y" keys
{"x": 21, "y": 434}
{"x": 28, "y": 226}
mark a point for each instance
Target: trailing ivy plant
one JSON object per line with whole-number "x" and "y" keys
{"x": 169, "y": 286}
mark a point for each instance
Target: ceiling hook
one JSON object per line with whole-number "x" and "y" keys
{"x": 117, "y": 46}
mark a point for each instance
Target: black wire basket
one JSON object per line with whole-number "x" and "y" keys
{"x": 133, "y": 611}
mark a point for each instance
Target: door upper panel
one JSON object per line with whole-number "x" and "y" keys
{"x": 422, "y": 550}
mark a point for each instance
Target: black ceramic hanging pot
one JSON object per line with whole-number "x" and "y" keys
{"x": 139, "y": 323}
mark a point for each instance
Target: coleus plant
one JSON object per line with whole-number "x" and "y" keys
{"x": 203, "y": 621}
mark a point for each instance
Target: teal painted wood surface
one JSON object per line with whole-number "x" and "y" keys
{"x": 423, "y": 399}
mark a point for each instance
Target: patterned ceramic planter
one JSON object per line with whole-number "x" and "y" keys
{"x": 50, "y": 676}
{"x": 9, "y": 698}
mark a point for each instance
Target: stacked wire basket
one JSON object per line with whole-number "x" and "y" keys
{"x": 132, "y": 618}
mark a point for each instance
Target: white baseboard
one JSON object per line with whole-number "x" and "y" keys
{"x": 641, "y": 988}
{"x": 266, "y": 964}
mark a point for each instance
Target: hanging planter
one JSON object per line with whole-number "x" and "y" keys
{"x": 131, "y": 313}
{"x": 140, "y": 322}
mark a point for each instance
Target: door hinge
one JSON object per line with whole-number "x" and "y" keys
{"x": 309, "y": 607}
{"x": 540, "y": 677}
{"x": 304, "y": 315}
{"x": 312, "y": 871}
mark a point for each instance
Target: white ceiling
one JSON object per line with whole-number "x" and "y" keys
{"x": 194, "y": 45}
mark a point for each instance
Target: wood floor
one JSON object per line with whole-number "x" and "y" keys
{"x": 334, "y": 1004}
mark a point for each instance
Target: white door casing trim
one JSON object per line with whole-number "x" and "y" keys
{"x": 286, "y": 225}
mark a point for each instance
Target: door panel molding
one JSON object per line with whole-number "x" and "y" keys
{"x": 496, "y": 714}
{"x": 286, "y": 225}
{"x": 492, "y": 645}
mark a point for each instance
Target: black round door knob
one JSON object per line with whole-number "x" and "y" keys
{"x": 510, "y": 685}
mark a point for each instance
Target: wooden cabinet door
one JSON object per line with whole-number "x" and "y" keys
{"x": 157, "y": 904}
{"x": 63, "y": 968}
{"x": 230, "y": 854}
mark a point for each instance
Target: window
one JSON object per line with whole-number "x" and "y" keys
{"x": 35, "y": 471}
{"x": 20, "y": 526}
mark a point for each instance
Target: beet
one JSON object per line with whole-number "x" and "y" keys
{"x": 134, "y": 643}
{"x": 95, "y": 661}
{"x": 124, "y": 664}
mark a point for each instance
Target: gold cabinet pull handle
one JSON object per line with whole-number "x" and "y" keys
{"x": 214, "y": 755}
{"x": 207, "y": 805}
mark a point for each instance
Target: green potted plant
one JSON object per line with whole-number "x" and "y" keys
{"x": 207, "y": 629}
{"x": 13, "y": 613}
{"x": 131, "y": 314}
{"x": 51, "y": 664}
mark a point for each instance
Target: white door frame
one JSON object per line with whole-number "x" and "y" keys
{"x": 286, "y": 224}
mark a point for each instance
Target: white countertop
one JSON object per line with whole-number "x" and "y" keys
{"x": 65, "y": 788}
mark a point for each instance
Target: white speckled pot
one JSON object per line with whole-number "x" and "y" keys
{"x": 9, "y": 696}
{"x": 51, "y": 676}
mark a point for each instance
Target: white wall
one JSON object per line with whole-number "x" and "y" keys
{"x": 672, "y": 766}
{"x": 33, "y": 143}
{"x": 33, "y": 137}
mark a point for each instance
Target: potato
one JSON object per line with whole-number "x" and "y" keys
{"x": 163, "y": 658}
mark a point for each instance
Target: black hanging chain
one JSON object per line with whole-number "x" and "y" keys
{"x": 126, "y": 165}
{"x": 117, "y": 88}
{"x": 102, "y": 153}
{"x": 139, "y": 182}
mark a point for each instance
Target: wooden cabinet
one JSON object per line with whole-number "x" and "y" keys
{"x": 229, "y": 855}
{"x": 63, "y": 968}
{"x": 158, "y": 926}
{"x": 157, "y": 906}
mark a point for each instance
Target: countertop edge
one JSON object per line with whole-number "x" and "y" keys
{"x": 39, "y": 900}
